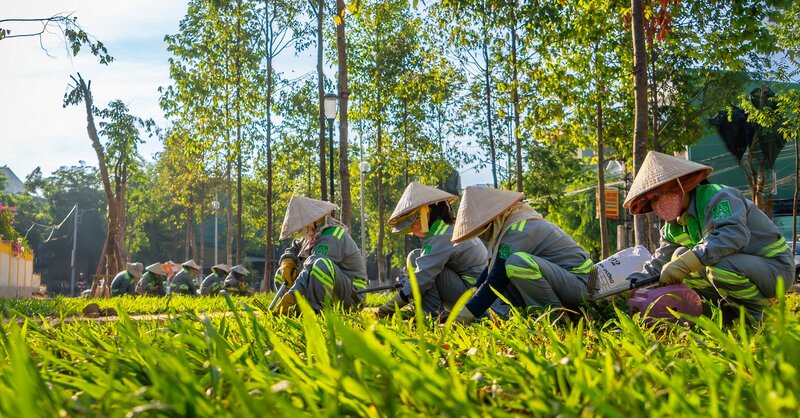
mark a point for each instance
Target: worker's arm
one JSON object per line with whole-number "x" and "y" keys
{"x": 497, "y": 279}
{"x": 661, "y": 256}
{"x": 725, "y": 226}
{"x": 436, "y": 251}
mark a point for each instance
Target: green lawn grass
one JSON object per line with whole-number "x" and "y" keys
{"x": 196, "y": 363}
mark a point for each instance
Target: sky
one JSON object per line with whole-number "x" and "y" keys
{"x": 36, "y": 130}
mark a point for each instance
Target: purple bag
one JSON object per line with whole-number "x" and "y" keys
{"x": 677, "y": 297}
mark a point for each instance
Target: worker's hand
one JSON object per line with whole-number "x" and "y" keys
{"x": 676, "y": 270}
{"x": 285, "y": 304}
{"x": 465, "y": 316}
{"x": 388, "y": 308}
{"x": 289, "y": 272}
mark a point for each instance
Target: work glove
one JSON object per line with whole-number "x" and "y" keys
{"x": 388, "y": 308}
{"x": 465, "y": 316}
{"x": 285, "y": 304}
{"x": 289, "y": 272}
{"x": 676, "y": 270}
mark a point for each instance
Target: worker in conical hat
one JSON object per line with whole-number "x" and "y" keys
{"x": 124, "y": 282}
{"x": 236, "y": 281}
{"x": 443, "y": 270}
{"x": 184, "y": 283}
{"x": 152, "y": 283}
{"x": 333, "y": 265}
{"x": 715, "y": 240}
{"x": 532, "y": 262}
{"x": 215, "y": 281}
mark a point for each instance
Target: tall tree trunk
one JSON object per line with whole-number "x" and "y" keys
{"x": 122, "y": 209}
{"x": 266, "y": 281}
{"x": 228, "y": 216}
{"x": 111, "y": 259}
{"x": 515, "y": 99}
{"x": 406, "y": 179}
{"x": 323, "y": 178}
{"x": 190, "y": 236}
{"x": 239, "y": 241}
{"x": 601, "y": 175}
{"x": 228, "y": 169}
{"x": 488, "y": 89}
{"x": 202, "y": 207}
{"x": 379, "y": 259}
{"x": 640, "y": 99}
{"x": 652, "y": 221}
{"x": 344, "y": 96}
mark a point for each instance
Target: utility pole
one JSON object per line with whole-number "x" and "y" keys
{"x": 74, "y": 249}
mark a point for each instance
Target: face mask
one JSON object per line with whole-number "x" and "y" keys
{"x": 668, "y": 206}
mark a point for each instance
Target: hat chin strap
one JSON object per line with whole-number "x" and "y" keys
{"x": 680, "y": 185}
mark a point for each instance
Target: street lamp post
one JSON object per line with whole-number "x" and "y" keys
{"x": 330, "y": 114}
{"x": 363, "y": 168}
{"x": 215, "y": 206}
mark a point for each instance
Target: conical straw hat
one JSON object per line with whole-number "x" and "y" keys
{"x": 479, "y": 206}
{"x": 659, "y": 169}
{"x": 191, "y": 264}
{"x": 157, "y": 268}
{"x": 221, "y": 267}
{"x": 301, "y": 212}
{"x": 136, "y": 269}
{"x": 239, "y": 269}
{"x": 417, "y": 195}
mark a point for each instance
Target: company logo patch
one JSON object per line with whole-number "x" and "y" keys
{"x": 504, "y": 251}
{"x": 722, "y": 210}
{"x": 321, "y": 249}
{"x": 426, "y": 250}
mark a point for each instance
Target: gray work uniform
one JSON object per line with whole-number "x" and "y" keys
{"x": 123, "y": 284}
{"x": 334, "y": 268}
{"x": 212, "y": 284}
{"x": 444, "y": 270}
{"x": 235, "y": 283}
{"x": 743, "y": 251}
{"x": 183, "y": 284}
{"x": 151, "y": 285}
{"x": 545, "y": 266}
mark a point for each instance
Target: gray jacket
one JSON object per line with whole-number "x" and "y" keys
{"x": 467, "y": 259}
{"x": 151, "y": 285}
{"x": 718, "y": 222}
{"x": 212, "y": 284}
{"x": 123, "y": 284}
{"x": 335, "y": 244}
{"x": 183, "y": 283}
{"x": 539, "y": 237}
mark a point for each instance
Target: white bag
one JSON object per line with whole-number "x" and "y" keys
{"x": 608, "y": 276}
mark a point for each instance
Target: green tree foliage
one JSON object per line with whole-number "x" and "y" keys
{"x": 402, "y": 88}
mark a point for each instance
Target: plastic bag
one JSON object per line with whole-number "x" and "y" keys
{"x": 608, "y": 276}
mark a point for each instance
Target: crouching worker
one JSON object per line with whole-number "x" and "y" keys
{"x": 184, "y": 282}
{"x": 532, "y": 262}
{"x": 333, "y": 267}
{"x": 125, "y": 282}
{"x": 214, "y": 282}
{"x": 715, "y": 241}
{"x": 152, "y": 283}
{"x": 235, "y": 282}
{"x": 444, "y": 270}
